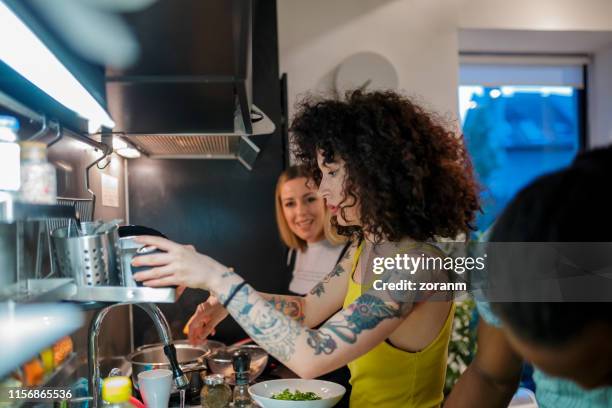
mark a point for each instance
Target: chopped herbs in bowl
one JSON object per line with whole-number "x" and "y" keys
{"x": 296, "y": 393}
{"x": 296, "y": 396}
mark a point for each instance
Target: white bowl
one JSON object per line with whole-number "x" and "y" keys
{"x": 329, "y": 392}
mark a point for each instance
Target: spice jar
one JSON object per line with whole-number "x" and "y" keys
{"x": 38, "y": 179}
{"x": 215, "y": 393}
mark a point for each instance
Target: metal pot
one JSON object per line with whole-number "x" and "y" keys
{"x": 209, "y": 345}
{"x": 191, "y": 360}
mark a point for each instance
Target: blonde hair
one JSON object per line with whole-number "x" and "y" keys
{"x": 289, "y": 237}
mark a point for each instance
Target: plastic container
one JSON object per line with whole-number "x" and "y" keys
{"x": 38, "y": 176}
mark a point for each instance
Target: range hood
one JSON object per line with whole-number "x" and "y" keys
{"x": 189, "y": 94}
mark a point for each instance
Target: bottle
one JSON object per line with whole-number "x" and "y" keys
{"x": 241, "y": 360}
{"x": 215, "y": 393}
{"x": 10, "y": 179}
{"x": 116, "y": 392}
{"x": 38, "y": 179}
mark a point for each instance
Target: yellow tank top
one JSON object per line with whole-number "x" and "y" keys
{"x": 387, "y": 377}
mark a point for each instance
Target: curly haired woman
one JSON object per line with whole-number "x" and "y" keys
{"x": 395, "y": 179}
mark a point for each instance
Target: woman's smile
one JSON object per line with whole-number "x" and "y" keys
{"x": 304, "y": 225}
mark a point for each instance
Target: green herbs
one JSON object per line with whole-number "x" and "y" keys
{"x": 295, "y": 396}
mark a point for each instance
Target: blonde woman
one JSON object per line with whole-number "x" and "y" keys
{"x": 304, "y": 226}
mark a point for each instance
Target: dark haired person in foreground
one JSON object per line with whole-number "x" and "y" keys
{"x": 570, "y": 343}
{"x": 395, "y": 178}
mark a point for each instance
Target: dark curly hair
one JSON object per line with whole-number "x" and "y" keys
{"x": 412, "y": 176}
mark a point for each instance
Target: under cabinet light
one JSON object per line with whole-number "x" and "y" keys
{"x": 25, "y": 53}
{"x": 123, "y": 149}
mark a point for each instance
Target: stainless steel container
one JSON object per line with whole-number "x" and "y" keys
{"x": 91, "y": 259}
{"x": 191, "y": 360}
{"x": 210, "y": 346}
{"x": 129, "y": 249}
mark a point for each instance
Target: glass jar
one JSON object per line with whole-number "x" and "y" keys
{"x": 215, "y": 393}
{"x": 9, "y": 157}
{"x": 38, "y": 179}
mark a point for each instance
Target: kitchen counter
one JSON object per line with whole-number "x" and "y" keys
{"x": 276, "y": 370}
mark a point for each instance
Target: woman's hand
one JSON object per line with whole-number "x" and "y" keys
{"x": 207, "y": 316}
{"x": 177, "y": 265}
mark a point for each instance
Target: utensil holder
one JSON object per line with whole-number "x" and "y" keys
{"x": 90, "y": 259}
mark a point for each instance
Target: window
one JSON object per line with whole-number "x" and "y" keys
{"x": 520, "y": 121}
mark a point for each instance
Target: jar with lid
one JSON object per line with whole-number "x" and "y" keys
{"x": 9, "y": 157}
{"x": 38, "y": 179}
{"x": 215, "y": 393}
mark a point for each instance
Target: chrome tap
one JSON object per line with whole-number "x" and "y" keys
{"x": 163, "y": 330}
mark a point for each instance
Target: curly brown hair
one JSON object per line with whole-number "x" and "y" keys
{"x": 412, "y": 176}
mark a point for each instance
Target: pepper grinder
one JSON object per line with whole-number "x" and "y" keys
{"x": 241, "y": 360}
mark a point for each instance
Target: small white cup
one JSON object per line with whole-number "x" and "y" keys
{"x": 154, "y": 387}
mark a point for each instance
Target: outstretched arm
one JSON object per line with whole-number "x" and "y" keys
{"x": 324, "y": 300}
{"x": 368, "y": 321}
{"x": 310, "y": 353}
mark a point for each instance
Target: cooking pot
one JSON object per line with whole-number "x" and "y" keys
{"x": 210, "y": 346}
{"x": 191, "y": 360}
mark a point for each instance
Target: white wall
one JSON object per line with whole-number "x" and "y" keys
{"x": 577, "y": 15}
{"x": 419, "y": 37}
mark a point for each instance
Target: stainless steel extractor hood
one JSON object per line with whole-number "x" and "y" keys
{"x": 189, "y": 95}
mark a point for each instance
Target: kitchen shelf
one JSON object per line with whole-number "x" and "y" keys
{"x": 38, "y": 290}
{"x": 121, "y": 294}
{"x": 91, "y": 297}
{"x": 11, "y": 211}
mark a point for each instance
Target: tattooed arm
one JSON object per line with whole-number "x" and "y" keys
{"x": 325, "y": 299}
{"x": 310, "y": 353}
{"x": 345, "y": 336}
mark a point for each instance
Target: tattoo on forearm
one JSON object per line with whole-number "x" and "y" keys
{"x": 366, "y": 313}
{"x": 291, "y": 306}
{"x": 319, "y": 288}
{"x": 321, "y": 342}
{"x": 276, "y": 334}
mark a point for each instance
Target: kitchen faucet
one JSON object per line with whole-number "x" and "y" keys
{"x": 163, "y": 330}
